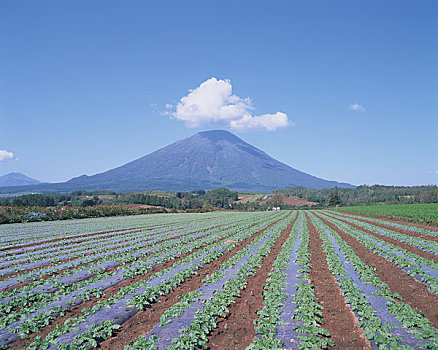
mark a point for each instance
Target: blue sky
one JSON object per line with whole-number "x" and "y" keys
{"x": 84, "y": 84}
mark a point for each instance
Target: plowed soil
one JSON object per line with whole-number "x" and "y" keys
{"x": 413, "y": 292}
{"x": 399, "y": 230}
{"x": 392, "y": 241}
{"x": 338, "y": 318}
{"x": 236, "y": 330}
{"x": 396, "y": 220}
{"x": 77, "y": 310}
{"x": 144, "y": 321}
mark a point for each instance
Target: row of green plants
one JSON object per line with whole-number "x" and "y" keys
{"x": 39, "y": 232}
{"x": 115, "y": 257}
{"x": 410, "y": 262}
{"x": 414, "y": 321}
{"x": 199, "y": 336}
{"x": 74, "y": 249}
{"x": 196, "y": 334}
{"x": 21, "y": 306}
{"x": 84, "y": 248}
{"x": 395, "y": 224}
{"x": 418, "y": 242}
{"x": 266, "y": 325}
{"x": 193, "y": 263}
{"x": 308, "y": 310}
{"x": 371, "y": 324}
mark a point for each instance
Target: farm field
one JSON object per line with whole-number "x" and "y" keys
{"x": 221, "y": 280}
{"x": 423, "y": 213}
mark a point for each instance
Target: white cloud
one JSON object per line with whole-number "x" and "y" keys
{"x": 213, "y": 103}
{"x": 357, "y": 107}
{"x": 6, "y": 155}
{"x": 268, "y": 121}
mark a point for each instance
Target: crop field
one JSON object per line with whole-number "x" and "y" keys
{"x": 228, "y": 280}
{"x": 423, "y": 213}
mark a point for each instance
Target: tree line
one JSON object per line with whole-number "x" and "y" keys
{"x": 196, "y": 199}
{"x": 362, "y": 195}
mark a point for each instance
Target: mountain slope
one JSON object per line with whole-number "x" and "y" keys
{"x": 207, "y": 160}
{"x": 17, "y": 179}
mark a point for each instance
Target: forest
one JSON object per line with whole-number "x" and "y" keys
{"x": 362, "y": 195}
{"x": 81, "y": 204}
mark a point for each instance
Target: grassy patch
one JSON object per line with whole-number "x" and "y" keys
{"x": 427, "y": 212}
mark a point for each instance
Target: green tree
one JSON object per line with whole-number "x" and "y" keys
{"x": 276, "y": 200}
{"x": 334, "y": 198}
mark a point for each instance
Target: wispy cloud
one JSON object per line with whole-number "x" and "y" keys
{"x": 357, "y": 107}
{"x": 6, "y": 155}
{"x": 213, "y": 102}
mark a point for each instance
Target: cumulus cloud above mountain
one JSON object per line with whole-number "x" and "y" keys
{"x": 213, "y": 102}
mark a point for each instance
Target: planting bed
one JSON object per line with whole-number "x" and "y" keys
{"x": 264, "y": 280}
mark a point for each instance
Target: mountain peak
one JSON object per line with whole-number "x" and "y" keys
{"x": 206, "y": 160}
{"x": 219, "y": 135}
{"x": 16, "y": 179}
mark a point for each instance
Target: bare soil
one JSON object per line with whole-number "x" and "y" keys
{"x": 294, "y": 200}
{"x": 243, "y": 200}
{"x": 405, "y": 232}
{"x": 236, "y": 330}
{"x": 413, "y": 292}
{"x": 393, "y": 241}
{"x": 49, "y": 275}
{"x": 397, "y": 220}
{"x": 110, "y": 292}
{"x": 338, "y": 318}
{"x": 144, "y": 321}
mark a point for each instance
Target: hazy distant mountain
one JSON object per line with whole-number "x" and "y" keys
{"x": 17, "y": 179}
{"x": 207, "y": 160}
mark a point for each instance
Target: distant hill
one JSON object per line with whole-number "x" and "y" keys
{"x": 206, "y": 160}
{"x": 17, "y": 179}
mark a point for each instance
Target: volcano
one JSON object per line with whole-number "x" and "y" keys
{"x": 206, "y": 160}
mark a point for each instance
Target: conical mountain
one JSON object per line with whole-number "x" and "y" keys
{"x": 17, "y": 179}
{"x": 206, "y": 160}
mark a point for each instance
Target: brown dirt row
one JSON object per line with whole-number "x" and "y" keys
{"x": 396, "y": 220}
{"x": 76, "y": 258}
{"x": 393, "y": 241}
{"x": 236, "y": 330}
{"x": 295, "y": 200}
{"x": 412, "y": 291}
{"x": 144, "y": 321}
{"x": 399, "y": 230}
{"x": 110, "y": 292}
{"x": 338, "y": 318}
